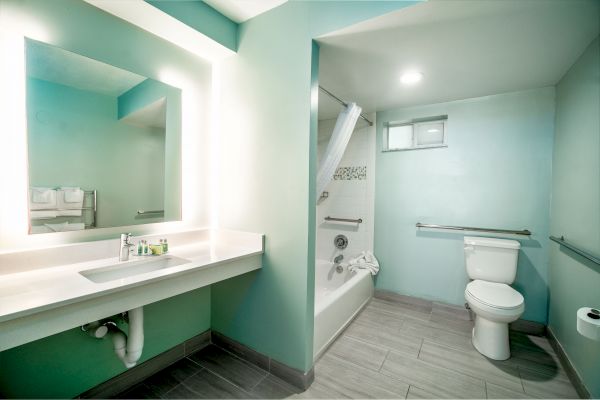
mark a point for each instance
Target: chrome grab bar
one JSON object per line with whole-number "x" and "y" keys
{"x": 142, "y": 212}
{"x": 356, "y": 221}
{"x": 524, "y": 232}
{"x": 561, "y": 240}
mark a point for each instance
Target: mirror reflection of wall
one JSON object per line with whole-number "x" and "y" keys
{"x": 100, "y": 140}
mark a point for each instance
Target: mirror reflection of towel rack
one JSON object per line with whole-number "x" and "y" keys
{"x": 144, "y": 212}
{"x": 356, "y": 221}
{"x": 92, "y": 195}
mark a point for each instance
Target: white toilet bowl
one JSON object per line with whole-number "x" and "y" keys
{"x": 495, "y": 306}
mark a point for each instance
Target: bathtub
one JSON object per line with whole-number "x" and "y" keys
{"x": 338, "y": 298}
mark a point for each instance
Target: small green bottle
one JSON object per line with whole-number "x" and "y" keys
{"x": 165, "y": 245}
{"x": 140, "y": 248}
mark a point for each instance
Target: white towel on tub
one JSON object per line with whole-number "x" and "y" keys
{"x": 365, "y": 260}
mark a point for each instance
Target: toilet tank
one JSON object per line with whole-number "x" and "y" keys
{"x": 493, "y": 260}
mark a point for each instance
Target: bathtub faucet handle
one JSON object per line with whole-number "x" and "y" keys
{"x": 338, "y": 259}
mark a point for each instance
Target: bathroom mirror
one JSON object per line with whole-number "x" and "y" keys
{"x": 104, "y": 144}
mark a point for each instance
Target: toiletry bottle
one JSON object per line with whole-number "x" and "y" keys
{"x": 140, "y": 248}
{"x": 156, "y": 249}
{"x": 146, "y": 249}
{"x": 165, "y": 245}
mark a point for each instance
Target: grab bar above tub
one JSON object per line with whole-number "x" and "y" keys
{"x": 561, "y": 240}
{"x": 356, "y": 221}
{"x": 524, "y": 232}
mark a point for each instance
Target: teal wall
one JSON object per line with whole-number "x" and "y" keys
{"x": 203, "y": 18}
{"x": 139, "y": 96}
{"x": 72, "y": 134}
{"x": 69, "y": 363}
{"x": 267, "y": 163}
{"x": 575, "y": 282}
{"x": 495, "y": 173}
{"x": 146, "y": 93}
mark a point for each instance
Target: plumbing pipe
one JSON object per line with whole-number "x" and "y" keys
{"x": 95, "y": 329}
{"x": 129, "y": 349}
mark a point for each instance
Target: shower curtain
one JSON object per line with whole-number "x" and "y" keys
{"x": 342, "y": 132}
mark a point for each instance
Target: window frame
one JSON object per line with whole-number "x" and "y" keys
{"x": 443, "y": 119}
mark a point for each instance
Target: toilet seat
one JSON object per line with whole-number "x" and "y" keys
{"x": 495, "y": 295}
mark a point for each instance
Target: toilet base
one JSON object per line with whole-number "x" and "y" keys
{"x": 491, "y": 338}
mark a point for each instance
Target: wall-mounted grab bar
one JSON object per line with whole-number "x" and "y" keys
{"x": 561, "y": 240}
{"x": 142, "y": 212}
{"x": 356, "y": 221}
{"x": 524, "y": 232}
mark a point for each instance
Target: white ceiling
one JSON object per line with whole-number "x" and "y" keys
{"x": 243, "y": 10}
{"x": 464, "y": 48}
{"x": 57, "y": 65}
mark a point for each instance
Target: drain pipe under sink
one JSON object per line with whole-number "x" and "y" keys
{"x": 129, "y": 348}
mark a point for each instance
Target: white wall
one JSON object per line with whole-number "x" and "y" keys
{"x": 352, "y": 198}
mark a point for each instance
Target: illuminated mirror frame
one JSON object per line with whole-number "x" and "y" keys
{"x": 15, "y": 26}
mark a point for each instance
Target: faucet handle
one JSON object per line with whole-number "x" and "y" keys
{"x": 126, "y": 238}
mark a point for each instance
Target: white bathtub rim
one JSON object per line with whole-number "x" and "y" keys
{"x": 339, "y": 292}
{"x": 333, "y": 338}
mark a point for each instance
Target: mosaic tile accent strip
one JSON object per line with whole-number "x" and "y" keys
{"x": 350, "y": 173}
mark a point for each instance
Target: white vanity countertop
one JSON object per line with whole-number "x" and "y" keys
{"x": 30, "y": 292}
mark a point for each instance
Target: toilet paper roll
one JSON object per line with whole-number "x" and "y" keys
{"x": 587, "y": 323}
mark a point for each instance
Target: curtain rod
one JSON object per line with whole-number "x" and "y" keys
{"x": 342, "y": 102}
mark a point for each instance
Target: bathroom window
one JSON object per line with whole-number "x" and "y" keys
{"x": 415, "y": 134}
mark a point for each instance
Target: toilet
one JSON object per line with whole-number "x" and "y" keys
{"x": 492, "y": 266}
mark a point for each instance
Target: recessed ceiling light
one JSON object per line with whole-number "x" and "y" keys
{"x": 411, "y": 77}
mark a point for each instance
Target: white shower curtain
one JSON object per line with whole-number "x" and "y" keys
{"x": 342, "y": 132}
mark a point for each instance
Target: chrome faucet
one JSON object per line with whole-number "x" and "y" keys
{"x": 338, "y": 267}
{"x": 124, "y": 247}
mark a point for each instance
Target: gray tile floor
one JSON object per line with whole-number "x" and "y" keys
{"x": 391, "y": 350}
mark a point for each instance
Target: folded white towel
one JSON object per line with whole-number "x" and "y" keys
{"x": 72, "y": 194}
{"x": 41, "y": 198}
{"x": 43, "y": 214}
{"x": 365, "y": 260}
{"x": 65, "y": 227}
{"x": 66, "y": 207}
{"x": 40, "y": 229}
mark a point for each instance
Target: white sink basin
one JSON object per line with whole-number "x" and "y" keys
{"x": 126, "y": 270}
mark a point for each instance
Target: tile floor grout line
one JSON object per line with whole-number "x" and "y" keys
{"x": 224, "y": 378}
{"x": 384, "y": 359}
{"x": 420, "y": 347}
{"x": 241, "y": 359}
{"x": 470, "y": 374}
{"x": 485, "y": 387}
{"x": 259, "y": 382}
{"x": 382, "y": 347}
{"x": 521, "y": 379}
